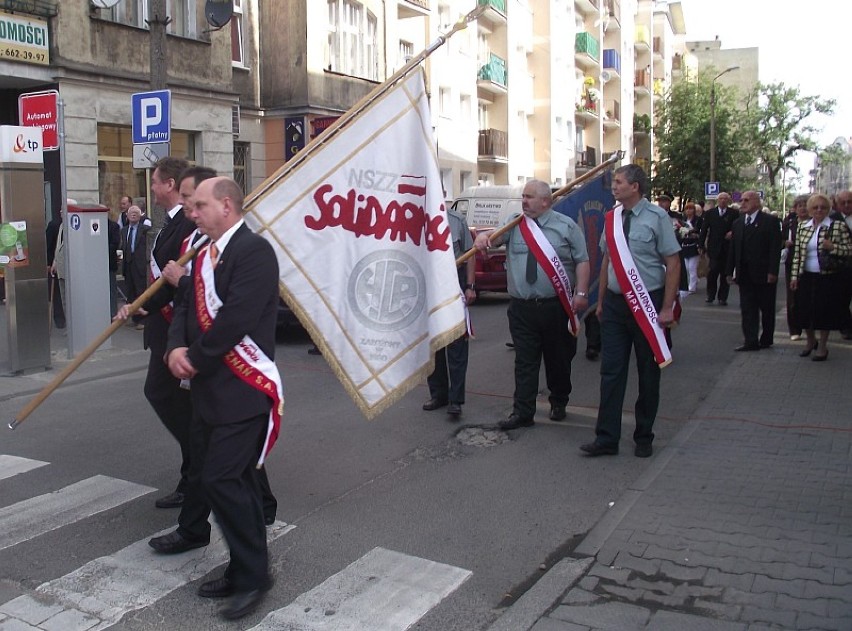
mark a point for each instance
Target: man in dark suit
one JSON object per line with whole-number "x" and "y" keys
{"x": 232, "y": 415}
{"x": 164, "y": 392}
{"x": 134, "y": 243}
{"x": 753, "y": 261}
{"x": 714, "y": 239}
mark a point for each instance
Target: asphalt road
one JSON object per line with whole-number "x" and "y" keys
{"x": 410, "y": 481}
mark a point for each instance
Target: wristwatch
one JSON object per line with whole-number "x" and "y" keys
{"x": 470, "y": 286}
{"x": 581, "y": 293}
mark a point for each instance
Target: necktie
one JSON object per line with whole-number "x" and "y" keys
{"x": 214, "y": 254}
{"x": 750, "y": 220}
{"x": 132, "y": 239}
{"x": 627, "y": 215}
{"x": 532, "y": 265}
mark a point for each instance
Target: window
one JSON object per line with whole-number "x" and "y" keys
{"x": 444, "y": 102}
{"x": 182, "y": 14}
{"x": 241, "y": 165}
{"x": 406, "y": 52}
{"x": 352, "y": 40}
{"x": 238, "y": 29}
{"x": 483, "y": 116}
{"x": 116, "y": 175}
{"x": 466, "y": 104}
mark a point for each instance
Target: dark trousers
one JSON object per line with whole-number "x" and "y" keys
{"x": 716, "y": 279}
{"x": 172, "y": 404}
{"x": 539, "y": 329}
{"x": 446, "y": 383}
{"x": 224, "y": 478}
{"x": 56, "y": 297}
{"x": 757, "y": 308}
{"x": 619, "y": 334}
{"x": 593, "y": 331}
{"x": 791, "y": 302}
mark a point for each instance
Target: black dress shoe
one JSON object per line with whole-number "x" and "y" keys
{"x": 175, "y": 543}
{"x": 454, "y": 409}
{"x": 596, "y": 449}
{"x": 766, "y": 345}
{"x": 709, "y": 301}
{"x": 514, "y": 422}
{"x": 433, "y": 404}
{"x": 242, "y": 604}
{"x": 268, "y": 520}
{"x": 806, "y": 352}
{"x": 592, "y": 354}
{"x": 643, "y": 450}
{"x": 723, "y": 303}
{"x": 219, "y": 588}
{"x": 747, "y": 347}
{"x": 557, "y": 413}
{"x": 172, "y": 500}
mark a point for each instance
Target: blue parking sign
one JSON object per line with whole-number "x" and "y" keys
{"x": 711, "y": 189}
{"x": 150, "y": 116}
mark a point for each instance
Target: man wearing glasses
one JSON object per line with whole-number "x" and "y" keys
{"x": 753, "y": 261}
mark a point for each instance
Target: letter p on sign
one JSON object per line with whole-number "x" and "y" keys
{"x": 152, "y": 114}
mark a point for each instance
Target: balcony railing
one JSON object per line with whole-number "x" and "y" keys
{"x": 612, "y": 111}
{"x": 500, "y": 5}
{"x": 642, "y": 80}
{"x": 588, "y": 158}
{"x": 584, "y": 43}
{"x": 493, "y": 143}
{"x": 612, "y": 60}
{"x": 494, "y": 71}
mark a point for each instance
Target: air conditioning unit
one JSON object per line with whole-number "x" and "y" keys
{"x": 606, "y": 76}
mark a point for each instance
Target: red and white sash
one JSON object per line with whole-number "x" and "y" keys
{"x": 246, "y": 360}
{"x": 637, "y": 296}
{"x": 549, "y": 261}
{"x": 156, "y": 272}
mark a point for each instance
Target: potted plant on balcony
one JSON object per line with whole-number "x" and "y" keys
{"x": 641, "y": 123}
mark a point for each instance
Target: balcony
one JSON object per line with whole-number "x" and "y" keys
{"x": 587, "y": 50}
{"x": 642, "y": 83}
{"x": 657, "y": 47}
{"x": 412, "y": 8}
{"x": 612, "y": 61}
{"x": 493, "y": 146}
{"x": 586, "y": 160}
{"x": 588, "y": 111}
{"x": 587, "y": 7}
{"x": 612, "y": 114}
{"x": 642, "y": 40}
{"x": 613, "y": 9}
{"x": 492, "y": 76}
{"x": 495, "y": 13}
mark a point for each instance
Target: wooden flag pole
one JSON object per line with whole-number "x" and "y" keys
{"x": 356, "y": 109}
{"x": 615, "y": 157}
{"x": 38, "y": 399}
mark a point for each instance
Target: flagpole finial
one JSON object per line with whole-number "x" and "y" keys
{"x": 13, "y": 424}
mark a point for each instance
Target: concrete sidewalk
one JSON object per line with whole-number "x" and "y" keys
{"x": 744, "y": 522}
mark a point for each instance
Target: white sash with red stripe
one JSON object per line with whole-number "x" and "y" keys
{"x": 246, "y": 360}
{"x": 549, "y": 261}
{"x": 637, "y": 296}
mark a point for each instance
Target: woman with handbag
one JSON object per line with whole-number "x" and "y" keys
{"x": 823, "y": 247}
{"x": 690, "y": 228}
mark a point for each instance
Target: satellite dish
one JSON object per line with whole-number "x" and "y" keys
{"x": 218, "y": 12}
{"x": 104, "y": 4}
{"x": 606, "y": 75}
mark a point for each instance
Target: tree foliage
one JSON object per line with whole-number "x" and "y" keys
{"x": 682, "y": 136}
{"x": 781, "y": 123}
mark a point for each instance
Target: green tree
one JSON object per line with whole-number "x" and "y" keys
{"x": 834, "y": 164}
{"x": 682, "y": 138}
{"x": 780, "y": 119}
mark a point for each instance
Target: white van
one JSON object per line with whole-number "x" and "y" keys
{"x": 489, "y": 206}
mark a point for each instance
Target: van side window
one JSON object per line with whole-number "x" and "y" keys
{"x": 461, "y": 207}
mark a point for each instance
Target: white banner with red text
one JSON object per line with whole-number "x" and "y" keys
{"x": 364, "y": 247}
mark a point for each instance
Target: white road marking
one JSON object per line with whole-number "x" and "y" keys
{"x": 13, "y": 465}
{"x": 101, "y": 592}
{"x": 38, "y": 515}
{"x": 381, "y": 591}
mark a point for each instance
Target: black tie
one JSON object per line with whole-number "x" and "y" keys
{"x": 132, "y": 239}
{"x": 532, "y": 264}
{"x": 627, "y": 215}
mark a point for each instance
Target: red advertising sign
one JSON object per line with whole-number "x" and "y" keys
{"x": 39, "y": 109}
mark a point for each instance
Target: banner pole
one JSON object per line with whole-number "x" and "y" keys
{"x": 114, "y": 326}
{"x": 615, "y": 157}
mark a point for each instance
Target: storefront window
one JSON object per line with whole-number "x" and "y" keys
{"x": 116, "y": 175}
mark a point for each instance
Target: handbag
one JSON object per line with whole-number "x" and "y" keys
{"x": 831, "y": 262}
{"x": 703, "y": 266}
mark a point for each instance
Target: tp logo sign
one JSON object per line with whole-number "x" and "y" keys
{"x": 150, "y": 116}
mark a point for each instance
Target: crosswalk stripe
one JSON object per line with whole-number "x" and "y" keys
{"x": 38, "y": 515}
{"x": 382, "y": 591}
{"x": 100, "y": 593}
{"x": 13, "y": 465}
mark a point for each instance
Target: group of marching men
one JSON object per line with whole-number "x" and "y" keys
{"x": 210, "y": 322}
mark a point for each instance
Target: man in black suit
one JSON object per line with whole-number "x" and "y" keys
{"x": 714, "y": 239}
{"x": 753, "y": 261}
{"x": 134, "y": 243}
{"x": 232, "y": 415}
{"x": 164, "y": 392}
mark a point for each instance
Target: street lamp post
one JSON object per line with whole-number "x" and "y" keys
{"x": 713, "y": 121}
